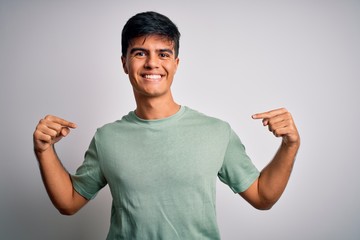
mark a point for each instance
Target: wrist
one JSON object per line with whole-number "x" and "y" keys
{"x": 290, "y": 145}
{"x": 44, "y": 153}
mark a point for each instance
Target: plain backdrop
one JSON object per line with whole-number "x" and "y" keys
{"x": 236, "y": 58}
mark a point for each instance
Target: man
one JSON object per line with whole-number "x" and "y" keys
{"x": 161, "y": 161}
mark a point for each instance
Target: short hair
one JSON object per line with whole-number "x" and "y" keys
{"x": 146, "y": 24}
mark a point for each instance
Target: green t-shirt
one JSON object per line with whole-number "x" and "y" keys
{"x": 162, "y": 174}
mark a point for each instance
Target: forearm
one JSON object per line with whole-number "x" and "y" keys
{"x": 56, "y": 180}
{"x": 270, "y": 185}
{"x": 275, "y": 176}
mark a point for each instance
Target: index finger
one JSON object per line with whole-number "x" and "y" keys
{"x": 61, "y": 121}
{"x": 269, "y": 114}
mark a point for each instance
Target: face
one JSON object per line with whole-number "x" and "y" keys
{"x": 151, "y": 65}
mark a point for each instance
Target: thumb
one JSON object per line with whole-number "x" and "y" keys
{"x": 64, "y": 132}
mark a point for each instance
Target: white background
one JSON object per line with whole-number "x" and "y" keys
{"x": 236, "y": 58}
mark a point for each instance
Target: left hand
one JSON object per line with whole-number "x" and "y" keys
{"x": 281, "y": 124}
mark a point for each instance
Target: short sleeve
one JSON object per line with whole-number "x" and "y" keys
{"x": 237, "y": 170}
{"x": 89, "y": 179}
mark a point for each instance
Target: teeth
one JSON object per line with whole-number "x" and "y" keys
{"x": 153, "y": 76}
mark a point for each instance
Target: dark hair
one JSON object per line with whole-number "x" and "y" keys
{"x": 149, "y": 23}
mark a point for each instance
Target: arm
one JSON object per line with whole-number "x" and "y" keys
{"x": 56, "y": 179}
{"x": 270, "y": 185}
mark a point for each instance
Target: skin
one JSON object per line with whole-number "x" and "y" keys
{"x": 270, "y": 185}
{"x": 151, "y": 65}
{"x": 56, "y": 179}
{"x": 152, "y": 56}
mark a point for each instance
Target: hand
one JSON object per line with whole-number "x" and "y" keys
{"x": 281, "y": 124}
{"x": 49, "y": 131}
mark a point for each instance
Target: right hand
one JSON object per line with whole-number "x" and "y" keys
{"x": 49, "y": 131}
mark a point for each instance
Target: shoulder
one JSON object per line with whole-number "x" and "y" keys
{"x": 202, "y": 116}
{"x": 114, "y": 126}
{"x": 198, "y": 118}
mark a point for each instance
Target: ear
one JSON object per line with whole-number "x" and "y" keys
{"x": 177, "y": 60}
{"x": 123, "y": 60}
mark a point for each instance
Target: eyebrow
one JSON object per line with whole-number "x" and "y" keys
{"x": 166, "y": 50}
{"x": 145, "y": 50}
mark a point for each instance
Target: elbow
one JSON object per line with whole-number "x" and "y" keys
{"x": 67, "y": 211}
{"x": 267, "y": 201}
{"x": 68, "y": 206}
{"x": 264, "y": 205}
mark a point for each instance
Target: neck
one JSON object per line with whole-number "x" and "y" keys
{"x": 155, "y": 108}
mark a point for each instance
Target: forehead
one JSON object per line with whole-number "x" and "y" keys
{"x": 152, "y": 41}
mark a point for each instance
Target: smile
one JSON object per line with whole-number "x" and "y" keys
{"x": 152, "y": 76}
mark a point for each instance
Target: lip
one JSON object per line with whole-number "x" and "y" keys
{"x": 152, "y": 76}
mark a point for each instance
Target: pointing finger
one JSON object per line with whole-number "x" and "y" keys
{"x": 62, "y": 122}
{"x": 269, "y": 114}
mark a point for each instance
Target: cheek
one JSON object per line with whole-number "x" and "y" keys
{"x": 172, "y": 68}
{"x": 128, "y": 69}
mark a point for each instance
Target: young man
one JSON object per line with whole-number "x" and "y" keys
{"x": 161, "y": 161}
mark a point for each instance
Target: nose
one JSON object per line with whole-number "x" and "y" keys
{"x": 152, "y": 61}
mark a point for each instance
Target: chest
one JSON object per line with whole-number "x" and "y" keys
{"x": 144, "y": 160}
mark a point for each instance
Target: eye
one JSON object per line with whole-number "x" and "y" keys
{"x": 164, "y": 55}
{"x": 139, "y": 54}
